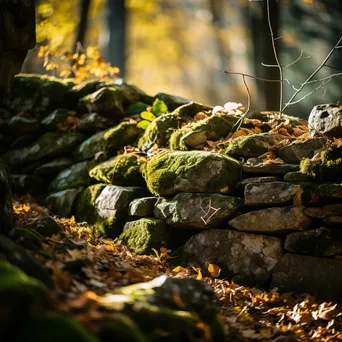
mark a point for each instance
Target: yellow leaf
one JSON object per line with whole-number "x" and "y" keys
{"x": 26, "y": 208}
{"x": 181, "y": 269}
{"x": 214, "y": 270}
{"x": 72, "y": 219}
{"x": 199, "y": 272}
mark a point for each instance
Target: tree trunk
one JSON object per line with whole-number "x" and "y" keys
{"x": 82, "y": 27}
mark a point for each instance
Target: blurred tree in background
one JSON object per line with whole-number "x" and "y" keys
{"x": 183, "y": 46}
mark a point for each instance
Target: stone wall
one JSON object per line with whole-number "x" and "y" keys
{"x": 263, "y": 203}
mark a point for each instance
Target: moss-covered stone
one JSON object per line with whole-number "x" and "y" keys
{"x": 253, "y": 145}
{"x": 28, "y": 239}
{"x": 142, "y": 207}
{"x": 54, "y": 327}
{"x": 144, "y": 234}
{"x": 159, "y": 132}
{"x": 108, "y": 142}
{"x": 44, "y": 224}
{"x": 23, "y": 125}
{"x": 170, "y": 172}
{"x": 123, "y": 169}
{"x": 55, "y": 119}
{"x": 94, "y": 122}
{"x": 75, "y": 177}
{"x": 85, "y": 210}
{"x": 171, "y": 101}
{"x": 38, "y": 93}
{"x": 63, "y": 202}
{"x": 49, "y": 145}
{"x": 5, "y": 200}
{"x": 105, "y": 101}
{"x": 176, "y": 142}
{"x": 191, "y": 109}
{"x": 267, "y": 116}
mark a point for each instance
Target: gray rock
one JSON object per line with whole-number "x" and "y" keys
{"x": 51, "y": 169}
{"x": 142, "y": 207}
{"x": 194, "y": 210}
{"x": 75, "y": 177}
{"x": 318, "y": 276}
{"x": 328, "y": 191}
{"x": 255, "y": 180}
{"x": 5, "y": 200}
{"x": 94, "y": 122}
{"x": 170, "y": 172}
{"x": 326, "y": 119}
{"x": 316, "y": 242}
{"x": 244, "y": 258}
{"x": 272, "y": 220}
{"x": 44, "y": 225}
{"x": 276, "y": 193}
{"x": 256, "y": 165}
{"x": 314, "y": 212}
{"x": 62, "y": 203}
{"x": 21, "y": 125}
{"x": 298, "y": 150}
{"x": 28, "y": 184}
{"x": 296, "y": 177}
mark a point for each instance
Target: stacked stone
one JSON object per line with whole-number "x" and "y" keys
{"x": 264, "y": 223}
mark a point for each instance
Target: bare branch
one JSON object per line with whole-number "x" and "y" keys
{"x": 269, "y": 65}
{"x": 296, "y": 60}
{"x": 251, "y": 76}
{"x": 290, "y": 102}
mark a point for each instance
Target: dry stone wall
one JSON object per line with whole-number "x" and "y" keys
{"x": 263, "y": 203}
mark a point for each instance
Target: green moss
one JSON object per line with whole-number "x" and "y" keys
{"x": 176, "y": 141}
{"x": 159, "y": 132}
{"x": 144, "y": 234}
{"x": 85, "y": 210}
{"x": 191, "y": 109}
{"x": 108, "y": 226}
{"x": 121, "y": 170}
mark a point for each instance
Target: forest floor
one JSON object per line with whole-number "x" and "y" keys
{"x": 248, "y": 314}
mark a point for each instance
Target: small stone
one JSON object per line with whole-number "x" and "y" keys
{"x": 254, "y": 165}
{"x": 144, "y": 234}
{"x": 190, "y": 109}
{"x": 272, "y": 220}
{"x": 51, "y": 169}
{"x": 44, "y": 225}
{"x": 56, "y": 119}
{"x": 199, "y": 211}
{"x": 255, "y": 180}
{"x": 298, "y": 150}
{"x": 94, "y": 122}
{"x": 62, "y": 203}
{"x": 317, "y": 213}
{"x": 296, "y": 176}
{"x": 142, "y": 207}
{"x": 328, "y": 191}
{"x": 23, "y": 141}
{"x": 333, "y": 220}
{"x": 22, "y": 125}
{"x": 333, "y": 209}
{"x": 302, "y": 274}
{"x": 244, "y": 258}
{"x": 326, "y": 119}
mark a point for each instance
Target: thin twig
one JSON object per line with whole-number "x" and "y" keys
{"x": 296, "y": 60}
{"x": 290, "y": 102}
{"x": 276, "y": 57}
{"x": 251, "y": 76}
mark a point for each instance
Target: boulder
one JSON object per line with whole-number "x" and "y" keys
{"x": 24, "y": 125}
{"x": 144, "y": 234}
{"x": 76, "y": 176}
{"x": 48, "y": 146}
{"x": 51, "y": 169}
{"x": 106, "y": 101}
{"x": 108, "y": 142}
{"x": 316, "y": 242}
{"x": 298, "y": 150}
{"x": 5, "y": 200}
{"x": 326, "y": 119}
{"x": 62, "y": 203}
{"x": 142, "y": 207}
{"x": 253, "y": 145}
{"x": 44, "y": 224}
{"x": 275, "y": 193}
{"x": 243, "y": 258}
{"x": 94, "y": 122}
{"x": 124, "y": 169}
{"x": 301, "y": 273}
{"x": 195, "y": 210}
{"x": 272, "y": 220}
{"x": 170, "y": 172}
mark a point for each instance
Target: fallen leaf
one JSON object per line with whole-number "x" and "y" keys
{"x": 214, "y": 270}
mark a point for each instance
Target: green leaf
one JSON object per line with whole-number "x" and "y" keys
{"x": 159, "y": 107}
{"x": 148, "y": 116}
{"x": 143, "y": 124}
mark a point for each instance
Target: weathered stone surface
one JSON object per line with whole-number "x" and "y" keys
{"x": 170, "y": 172}
{"x": 301, "y": 273}
{"x": 142, "y": 207}
{"x": 244, "y": 258}
{"x": 190, "y": 109}
{"x": 255, "y": 180}
{"x": 55, "y": 119}
{"x": 272, "y": 220}
{"x": 108, "y": 142}
{"x": 44, "y": 225}
{"x": 194, "y": 210}
{"x": 316, "y": 242}
{"x": 21, "y": 125}
{"x": 49, "y": 145}
{"x": 296, "y": 177}
{"x": 275, "y": 193}
{"x": 298, "y": 150}
{"x": 335, "y": 221}
{"x": 327, "y": 210}
{"x": 326, "y": 119}
{"x": 28, "y": 184}
{"x": 124, "y": 169}
{"x": 94, "y": 122}
{"x": 255, "y": 165}
{"x": 62, "y": 203}
{"x": 159, "y": 131}
{"x": 51, "y": 169}
{"x": 106, "y": 101}
{"x": 75, "y": 177}
{"x": 112, "y": 204}
{"x": 253, "y": 145}
{"x": 5, "y": 200}
{"x": 17, "y": 256}
{"x": 144, "y": 234}
{"x": 314, "y": 212}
